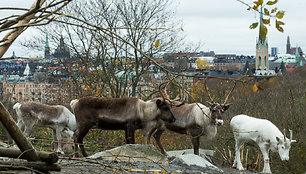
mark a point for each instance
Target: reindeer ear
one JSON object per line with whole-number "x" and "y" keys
{"x": 226, "y": 106}
{"x": 158, "y": 103}
{"x": 292, "y": 141}
{"x": 278, "y": 140}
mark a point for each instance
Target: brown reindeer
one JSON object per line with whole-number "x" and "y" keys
{"x": 195, "y": 120}
{"x": 126, "y": 114}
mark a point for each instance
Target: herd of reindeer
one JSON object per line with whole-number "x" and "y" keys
{"x": 153, "y": 117}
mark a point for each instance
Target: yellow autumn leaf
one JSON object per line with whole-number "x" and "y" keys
{"x": 246, "y": 72}
{"x": 280, "y": 14}
{"x": 255, "y": 88}
{"x": 157, "y": 44}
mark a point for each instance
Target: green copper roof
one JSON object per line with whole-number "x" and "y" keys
{"x": 261, "y": 41}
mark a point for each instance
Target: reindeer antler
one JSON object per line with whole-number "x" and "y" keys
{"x": 284, "y": 131}
{"x": 164, "y": 94}
{"x": 165, "y": 91}
{"x": 226, "y": 98}
{"x": 160, "y": 90}
{"x": 290, "y": 134}
{"x": 205, "y": 86}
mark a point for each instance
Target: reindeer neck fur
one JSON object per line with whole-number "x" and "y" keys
{"x": 149, "y": 110}
{"x": 203, "y": 114}
{"x": 205, "y": 120}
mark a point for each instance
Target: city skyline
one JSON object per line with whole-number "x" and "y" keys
{"x": 222, "y": 26}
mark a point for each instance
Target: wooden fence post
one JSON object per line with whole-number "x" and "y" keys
{"x": 20, "y": 139}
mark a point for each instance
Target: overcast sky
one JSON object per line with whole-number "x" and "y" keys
{"x": 221, "y": 25}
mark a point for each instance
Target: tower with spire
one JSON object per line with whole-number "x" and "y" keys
{"x": 62, "y": 51}
{"x": 288, "y": 46}
{"x": 47, "y": 48}
{"x": 262, "y": 57}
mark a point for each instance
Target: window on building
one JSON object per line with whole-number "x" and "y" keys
{"x": 259, "y": 61}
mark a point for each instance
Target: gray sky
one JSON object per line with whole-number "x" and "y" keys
{"x": 221, "y": 25}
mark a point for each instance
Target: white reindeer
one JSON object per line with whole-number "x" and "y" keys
{"x": 56, "y": 117}
{"x": 264, "y": 133}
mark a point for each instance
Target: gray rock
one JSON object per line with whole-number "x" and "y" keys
{"x": 192, "y": 159}
{"x": 206, "y": 154}
{"x": 132, "y": 153}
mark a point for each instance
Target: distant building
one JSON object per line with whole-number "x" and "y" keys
{"x": 292, "y": 50}
{"x": 25, "y": 89}
{"x": 47, "y": 48}
{"x": 274, "y": 51}
{"x": 224, "y": 62}
{"x": 62, "y": 51}
{"x": 288, "y": 46}
{"x": 286, "y": 58}
{"x": 262, "y": 57}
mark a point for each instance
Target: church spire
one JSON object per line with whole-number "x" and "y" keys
{"x": 262, "y": 58}
{"x": 47, "y": 42}
{"x": 262, "y": 40}
{"x": 47, "y": 48}
{"x": 288, "y": 46}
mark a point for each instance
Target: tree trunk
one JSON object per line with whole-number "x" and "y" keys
{"x": 20, "y": 165}
{"x": 49, "y": 157}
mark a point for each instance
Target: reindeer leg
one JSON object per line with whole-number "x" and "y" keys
{"x": 265, "y": 154}
{"x": 149, "y": 130}
{"x": 130, "y": 134}
{"x": 28, "y": 128}
{"x": 148, "y": 135}
{"x": 54, "y": 140}
{"x": 28, "y": 122}
{"x": 237, "y": 161}
{"x": 157, "y": 136}
{"x": 79, "y": 135}
{"x": 196, "y": 144}
{"x": 20, "y": 124}
{"x": 127, "y": 138}
{"x": 76, "y": 146}
{"x": 57, "y": 138}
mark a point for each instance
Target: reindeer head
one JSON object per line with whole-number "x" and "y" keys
{"x": 216, "y": 109}
{"x": 284, "y": 145}
{"x": 165, "y": 112}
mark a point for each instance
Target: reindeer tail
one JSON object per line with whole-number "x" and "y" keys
{"x": 17, "y": 106}
{"x": 73, "y": 104}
